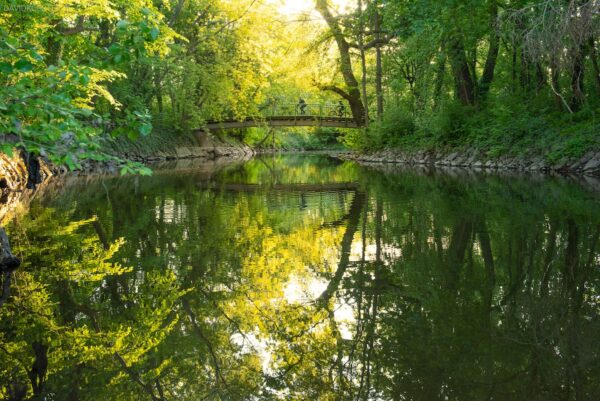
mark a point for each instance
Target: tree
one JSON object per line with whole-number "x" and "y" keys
{"x": 351, "y": 92}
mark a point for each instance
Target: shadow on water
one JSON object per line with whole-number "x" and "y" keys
{"x": 302, "y": 277}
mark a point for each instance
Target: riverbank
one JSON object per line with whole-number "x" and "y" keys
{"x": 588, "y": 164}
{"x": 166, "y": 147}
{"x": 22, "y": 178}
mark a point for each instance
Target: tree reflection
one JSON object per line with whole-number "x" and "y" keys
{"x": 298, "y": 280}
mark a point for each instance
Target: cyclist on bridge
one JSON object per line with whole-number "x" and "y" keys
{"x": 302, "y": 106}
{"x": 341, "y": 109}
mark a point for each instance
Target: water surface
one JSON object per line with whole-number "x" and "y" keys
{"x": 305, "y": 278}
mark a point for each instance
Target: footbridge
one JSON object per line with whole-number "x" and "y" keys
{"x": 291, "y": 115}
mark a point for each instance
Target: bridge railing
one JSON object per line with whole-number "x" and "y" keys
{"x": 307, "y": 110}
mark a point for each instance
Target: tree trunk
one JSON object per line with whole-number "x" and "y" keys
{"x": 35, "y": 175}
{"x": 363, "y": 61}
{"x": 455, "y": 256}
{"x": 103, "y": 39}
{"x": 594, "y": 57}
{"x": 8, "y": 264}
{"x": 540, "y": 76}
{"x": 577, "y": 77}
{"x": 351, "y": 93}
{"x": 514, "y": 68}
{"x": 525, "y": 76}
{"x": 39, "y": 369}
{"x": 379, "y": 64}
{"x": 439, "y": 78}
{"x": 464, "y": 85}
{"x": 158, "y": 90}
{"x": 358, "y": 203}
{"x": 54, "y": 49}
{"x": 555, "y": 83}
{"x": 492, "y": 56}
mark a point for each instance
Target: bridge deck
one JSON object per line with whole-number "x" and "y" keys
{"x": 284, "y": 121}
{"x": 301, "y": 188}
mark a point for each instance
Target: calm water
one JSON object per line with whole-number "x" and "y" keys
{"x": 303, "y": 278}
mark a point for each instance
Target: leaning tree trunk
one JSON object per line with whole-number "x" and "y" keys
{"x": 352, "y": 92}
{"x": 492, "y": 56}
{"x": 358, "y": 203}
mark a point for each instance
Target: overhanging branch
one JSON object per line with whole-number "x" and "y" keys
{"x": 373, "y": 44}
{"x": 335, "y": 89}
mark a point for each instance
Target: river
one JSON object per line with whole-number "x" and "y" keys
{"x": 305, "y": 278}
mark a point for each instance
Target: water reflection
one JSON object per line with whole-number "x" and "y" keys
{"x": 302, "y": 278}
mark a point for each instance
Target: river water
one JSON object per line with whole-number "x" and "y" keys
{"x": 305, "y": 278}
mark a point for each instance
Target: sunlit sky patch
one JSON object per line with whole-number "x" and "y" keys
{"x": 296, "y": 7}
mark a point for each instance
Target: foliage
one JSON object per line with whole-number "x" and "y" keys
{"x": 74, "y": 75}
{"x": 506, "y": 127}
{"x": 434, "y": 74}
{"x": 479, "y": 73}
{"x": 391, "y": 131}
{"x": 56, "y": 69}
{"x": 296, "y": 139}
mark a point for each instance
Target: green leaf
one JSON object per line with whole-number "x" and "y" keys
{"x": 117, "y": 132}
{"x": 133, "y": 135}
{"x": 114, "y": 49}
{"x": 9, "y": 43}
{"x": 122, "y": 24}
{"x": 7, "y": 149}
{"x": 6, "y": 68}
{"x": 23, "y": 65}
{"x": 35, "y": 55}
{"x": 154, "y": 32}
{"x": 145, "y": 129}
{"x": 145, "y": 171}
{"x": 85, "y": 112}
{"x": 70, "y": 163}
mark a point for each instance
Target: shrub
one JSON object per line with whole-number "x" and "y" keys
{"x": 396, "y": 124}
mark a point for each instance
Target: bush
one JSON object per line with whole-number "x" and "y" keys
{"x": 396, "y": 125}
{"x": 295, "y": 139}
{"x": 507, "y": 124}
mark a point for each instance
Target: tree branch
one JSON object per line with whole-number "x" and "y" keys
{"x": 335, "y": 89}
{"x": 176, "y": 13}
{"x": 373, "y": 44}
{"x": 74, "y": 30}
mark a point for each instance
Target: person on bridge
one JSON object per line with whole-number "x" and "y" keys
{"x": 341, "y": 109}
{"x": 302, "y": 106}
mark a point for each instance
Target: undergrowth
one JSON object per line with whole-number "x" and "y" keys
{"x": 504, "y": 127}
